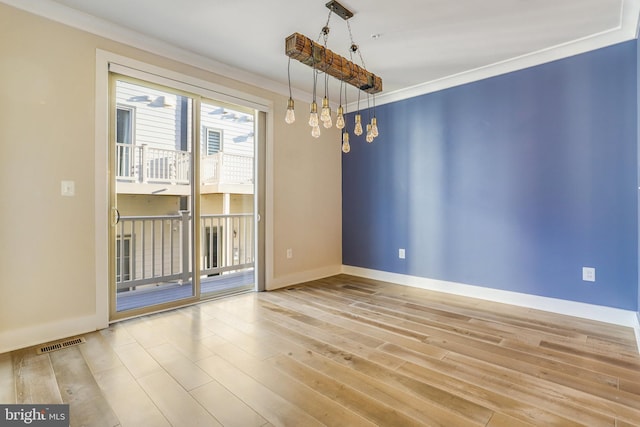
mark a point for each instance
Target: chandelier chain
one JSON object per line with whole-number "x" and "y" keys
{"x": 324, "y": 35}
{"x": 354, "y": 44}
{"x": 324, "y": 32}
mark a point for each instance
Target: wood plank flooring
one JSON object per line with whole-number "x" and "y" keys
{"x": 342, "y": 351}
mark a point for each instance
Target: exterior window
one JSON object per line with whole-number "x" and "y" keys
{"x": 124, "y": 125}
{"x": 213, "y": 141}
{"x": 123, "y": 259}
{"x": 124, "y": 140}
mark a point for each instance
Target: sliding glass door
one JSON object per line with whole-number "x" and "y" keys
{"x": 182, "y": 173}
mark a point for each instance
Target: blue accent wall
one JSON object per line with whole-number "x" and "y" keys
{"x": 638, "y": 127}
{"x": 514, "y": 182}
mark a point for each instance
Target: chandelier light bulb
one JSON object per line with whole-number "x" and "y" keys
{"x": 313, "y": 115}
{"x": 369, "y": 137}
{"x": 325, "y": 113}
{"x": 328, "y": 122}
{"x": 325, "y": 64}
{"x": 340, "y": 118}
{"x": 374, "y": 127}
{"x": 290, "y": 117}
{"x": 345, "y": 143}
{"x": 358, "y": 128}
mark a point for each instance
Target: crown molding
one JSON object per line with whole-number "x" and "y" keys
{"x": 627, "y": 29}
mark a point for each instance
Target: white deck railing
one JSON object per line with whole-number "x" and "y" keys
{"x": 223, "y": 168}
{"x": 157, "y": 249}
{"x": 142, "y": 164}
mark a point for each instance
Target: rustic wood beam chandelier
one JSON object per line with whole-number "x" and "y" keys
{"x": 317, "y": 56}
{"x": 322, "y": 60}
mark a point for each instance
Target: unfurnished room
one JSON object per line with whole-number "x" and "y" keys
{"x": 308, "y": 213}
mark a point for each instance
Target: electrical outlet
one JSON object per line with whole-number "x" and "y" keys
{"x": 289, "y": 253}
{"x": 401, "y": 253}
{"x": 588, "y": 274}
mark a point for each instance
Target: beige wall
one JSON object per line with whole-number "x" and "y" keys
{"x": 211, "y": 203}
{"x": 47, "y": 134}
{"x": 143, "y": 205}
{"x": 238, "y": 203}
{"x": 241, "y": 203}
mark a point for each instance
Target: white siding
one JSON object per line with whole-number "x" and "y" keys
{"x": 234, "y": 124}
{"x": 156, "y": 126}
{"x": 159, "y": 126}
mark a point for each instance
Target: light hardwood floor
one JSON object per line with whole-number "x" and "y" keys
{"x": 342, "y": 351}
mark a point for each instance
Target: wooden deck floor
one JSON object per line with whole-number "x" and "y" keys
{"x": 341, "y": 351}
{"x": 218, "y": 285}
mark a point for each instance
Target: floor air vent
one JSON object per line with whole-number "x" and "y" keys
{"x": 60, "y": 345}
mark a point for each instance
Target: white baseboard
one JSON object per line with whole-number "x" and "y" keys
{"x": 38, "y": 334}
{"x": 570, "y": 308}
{"x": 303, "y": 276}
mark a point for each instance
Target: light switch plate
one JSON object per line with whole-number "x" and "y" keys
{"x": 68, "y": 188}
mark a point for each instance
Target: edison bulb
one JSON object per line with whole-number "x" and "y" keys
{"x": 315, "y": 131}
{"x": 358, "y": 128}
{"x": 374, "y": 127}
{"x": 345, "y": 143}
{"x": 290, "y": 117}
{"x": 313, "y": 115}
{"x": 369, "y": 137}
{"x": 325, "y": 113}
{"x": 328, "y": 122}
{"x": 340, "y": 118}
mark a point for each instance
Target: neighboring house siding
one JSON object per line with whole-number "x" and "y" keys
{"x": 237, "y": 129}
{"x": 156, "y": 126}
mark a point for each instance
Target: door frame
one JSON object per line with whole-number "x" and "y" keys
{"x": 107, "y": 62}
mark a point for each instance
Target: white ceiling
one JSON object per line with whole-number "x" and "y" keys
{"x": 420, "y": 41}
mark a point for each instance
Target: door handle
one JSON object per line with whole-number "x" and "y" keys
{"x": 115, "y": 216}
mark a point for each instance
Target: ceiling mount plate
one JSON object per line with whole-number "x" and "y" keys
{"x": 339, "y": 10}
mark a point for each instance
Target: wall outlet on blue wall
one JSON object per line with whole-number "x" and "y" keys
{"x": 588, "y": 274}
{"x": 401, "y": 253}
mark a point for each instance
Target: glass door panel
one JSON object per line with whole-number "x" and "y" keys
{"x": 153, "y": 193}
{"x": 227, "y": 194}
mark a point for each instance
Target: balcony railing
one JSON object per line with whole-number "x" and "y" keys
{"x": 142, "y": 164}
{"x": 157, "y": 249}
{"x": 222, "y": 168}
